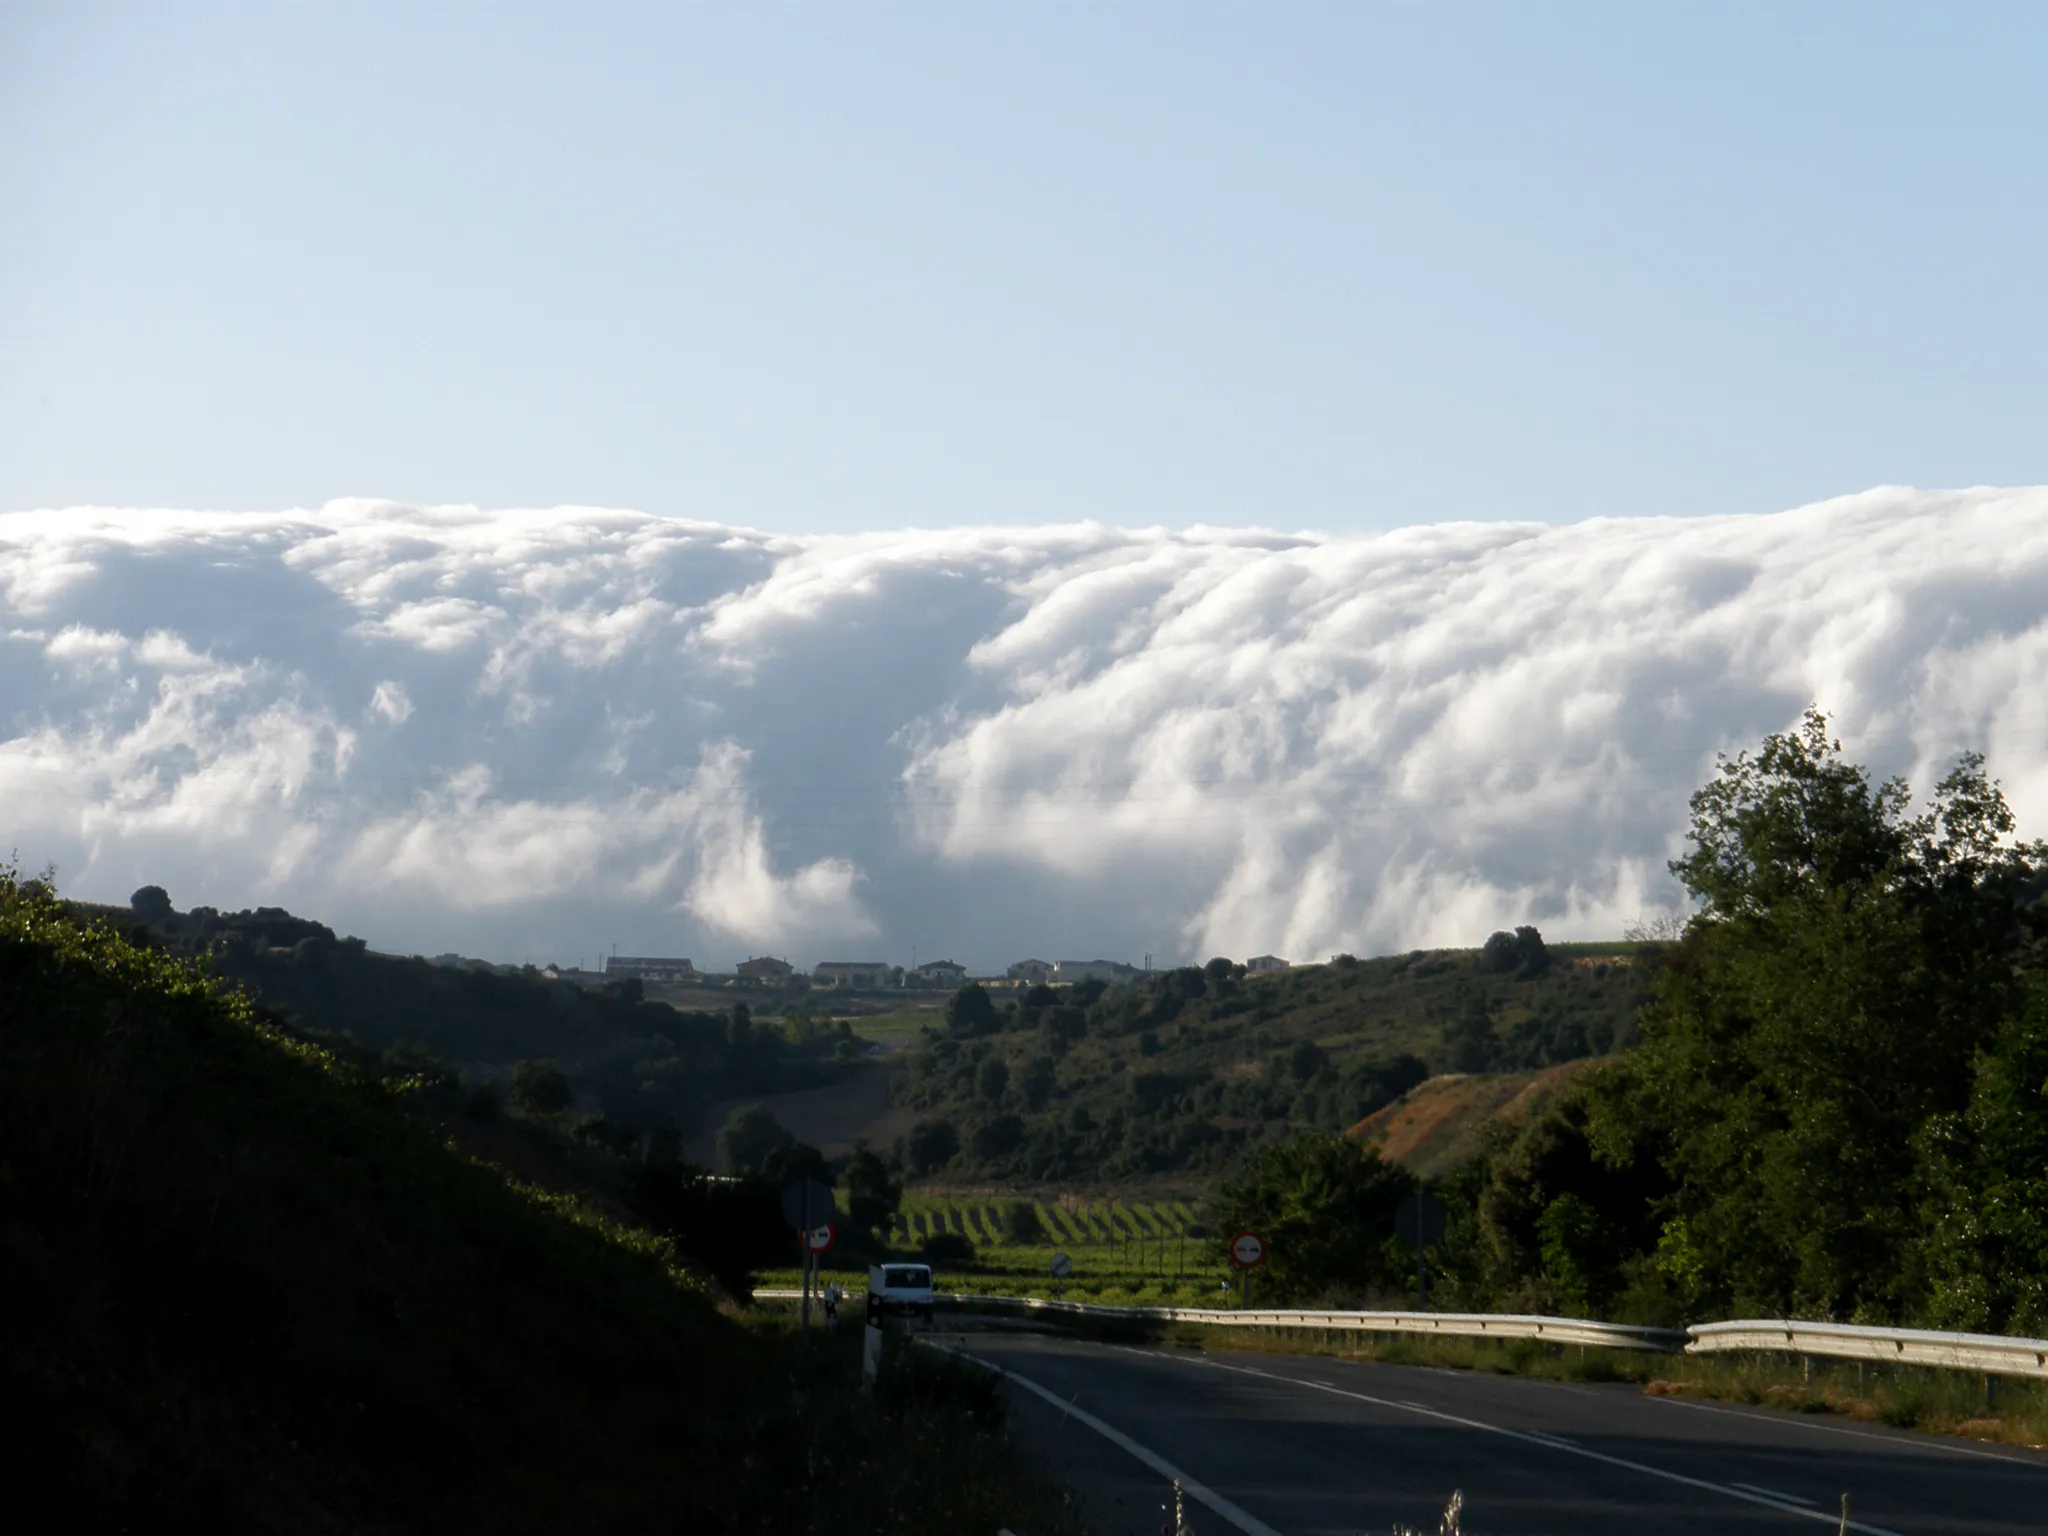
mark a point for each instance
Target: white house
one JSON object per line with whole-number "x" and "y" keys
{"x": 1033, "y": 970}
{"x": 1266, "y": 963}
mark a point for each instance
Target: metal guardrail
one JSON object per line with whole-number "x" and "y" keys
{"x": 1991, "y": 1353}
{"x": 1487, "y": 1325}
{"x": 1988, "y": 1352}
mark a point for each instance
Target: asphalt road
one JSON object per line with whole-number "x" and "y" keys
{"x": 1308, "y": 1446}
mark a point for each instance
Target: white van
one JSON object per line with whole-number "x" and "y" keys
{"x": 903, "y": 1290}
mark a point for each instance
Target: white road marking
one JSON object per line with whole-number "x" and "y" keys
{"x": 1772, "y": 1493}
{"x": 1917, "y": 1442}
{"x": 1563, "y": 1447}
{"x": 1201, "y": 1493}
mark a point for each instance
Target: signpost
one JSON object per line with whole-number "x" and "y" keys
{"x": 1062, "y": 1266}
{"x": 1419, "y": 1222}
{"x": 807, "y": 1206}
{"x": 1247, "y": 1252}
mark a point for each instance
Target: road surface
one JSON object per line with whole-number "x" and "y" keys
{"x": 1293, "y": 1445}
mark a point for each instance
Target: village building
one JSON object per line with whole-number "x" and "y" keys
{"x": 936, "y": 973}
{"x": 647, "y": 968}
{"x": 1033, "y": 971}
{"x": 765, "y": 968}
{"x": 851, "y": 973}
{"x": 1266, "y": 963}
{"x": 1111, "y": 971}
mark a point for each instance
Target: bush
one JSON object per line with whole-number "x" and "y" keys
{"x": 1021, "y": 1224}
{"x": 541, "y": 1088}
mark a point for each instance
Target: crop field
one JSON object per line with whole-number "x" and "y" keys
{"x": 1064, "y": 1223}
{"x": 1140, "y": 1253}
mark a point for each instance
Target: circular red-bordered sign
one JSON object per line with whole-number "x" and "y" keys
{"x": 818, "y": 1239}
{"x": 1247, "y": 1250}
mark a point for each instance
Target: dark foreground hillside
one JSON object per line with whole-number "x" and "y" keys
{"x": 242, "y": 1287}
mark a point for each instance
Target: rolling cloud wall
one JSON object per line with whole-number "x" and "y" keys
{"x": 532, "y": 734}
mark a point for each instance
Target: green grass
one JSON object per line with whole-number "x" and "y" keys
{"x": 904, "y": 1024}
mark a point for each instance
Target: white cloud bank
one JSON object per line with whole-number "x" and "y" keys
{"x": 532, "y": 734}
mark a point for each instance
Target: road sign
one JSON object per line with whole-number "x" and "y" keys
{"x": 806, "y": 1202}
{"x": 1062, "y": 1266}
{"x": 1419, "y": 1220}
{"x": 1247, "y": 1250}
{"x": 818, "y": 1239}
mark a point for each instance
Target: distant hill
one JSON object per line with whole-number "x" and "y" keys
{"x": 640, "y": 1063}
{"x": 1176, "y": 1074}
{"x": 1443, "y": 1122}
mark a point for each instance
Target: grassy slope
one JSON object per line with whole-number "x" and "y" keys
{"x": 1434, "y": 1127}
{"x": 243, "y": 1287}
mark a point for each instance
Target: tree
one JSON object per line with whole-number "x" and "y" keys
{"x": 1325, "y": 1206}
{"x": 873, "y": 1195}
{"x": 1471, "y": 1041}
{"x": 1521, "y": 952}
{"x": 969, "y": 1011}
{"x": 1817, "y": 1024}
{"x": 1021, "y": 1224}
{"x": 152, "y": 904}
{"x": 1038, "y": 1080}
{"x": 793, "y": 1160}
{"x": 541, "y": 1088}
{"x": 932, "y": 1145}
{"x": 992, "y": 1078}
{"x": 751, "y": 1133}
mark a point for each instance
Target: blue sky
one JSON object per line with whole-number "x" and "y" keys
{"x": 817, "y": 269}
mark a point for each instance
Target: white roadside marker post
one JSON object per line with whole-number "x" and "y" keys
{"x": 871, "y": 1340}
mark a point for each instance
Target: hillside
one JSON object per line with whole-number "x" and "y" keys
{"x": 247, "y": 1286}
{"x": 1448, "y": 1120}
{"x": 641, "y": 1063}
{"x": 1175, "y": 1075}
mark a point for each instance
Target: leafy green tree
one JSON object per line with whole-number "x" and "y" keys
{"x": 1038, "y": 1079}
{"x": 541, "y": 1088}
{"x": 1986, "y": 1192}
{"x": 152, "y": 904}
{"x": 932, "y": 1144}
{"x": 751, "y": 1133}
{"x": 992, "y": 1079}
{"x": 873, "y": 1193}
{"x": 1471, "y": 1044}
{"x": 793, "y": 1159}
{"x": 1021, "y": 1224}
{"x": 1819, "y": 1020}
{"x": 1325, "y": 1206}
{"x": 969, "y": 1011}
